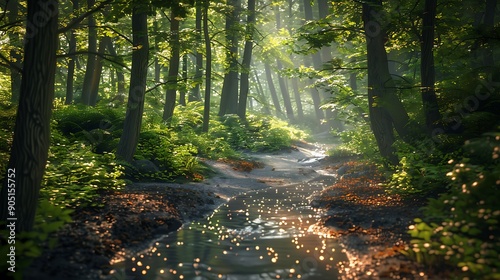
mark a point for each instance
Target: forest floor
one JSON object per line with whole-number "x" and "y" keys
{"x": 370, "y": 225}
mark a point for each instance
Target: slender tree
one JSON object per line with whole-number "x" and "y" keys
{"x": 135, "y": 105}
{"x": 229, "y": 95}
{"x": 120, "y": 95}
{"x": 72, "y": 62}
{"x": 195, "y": 91}
{"x": 427, "y": 72}
{"x": 247, "y": 58}
{"x": 173, "y": 68}
{"x": 30, "y": 146}
{"x": 91, "y": 57}
{"x": 16, "y": 58}
{"x": 386, "y": 110}
{"x": 96, "y": 75}
{"x": 272, "y": 90}
{"x": 208, "y": 67}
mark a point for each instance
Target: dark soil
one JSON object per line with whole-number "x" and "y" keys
{"x": 100, "y": 236}
{"x": 371, "y": 224}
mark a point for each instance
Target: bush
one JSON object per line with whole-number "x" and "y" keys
{"x": 462, "y": 226}
{"x": 75, "y": 175}
{"x": 420, "y": 170}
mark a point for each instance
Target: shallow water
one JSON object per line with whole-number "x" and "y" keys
{"x": 265, "y": 234}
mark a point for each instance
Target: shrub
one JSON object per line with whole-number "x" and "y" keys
{"x": 461, "y": 227}
{"x": 75, "y": 175}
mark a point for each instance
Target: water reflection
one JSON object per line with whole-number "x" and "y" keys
{"x": 264, "y": 234}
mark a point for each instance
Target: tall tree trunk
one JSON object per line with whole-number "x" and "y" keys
{"x": 158, "y": 39}
{"x": 173, "y": 68}
{"x": 326, "y": 55}
{"x": 385, "y": 107}
{"x": 30, "y": 146}
{"x": 71, "y": 63}
{"x": 285, "y": 94}
{"x": 247, "y": 58}
{"x": 120, "y": 96}
{"x": 489, "y": 24}
{"x": 229, "y": 95}
{"x": 427, "y": 72}
{"x": 91, "y": 57}
{"x": 96, "y": 77}
{"x": 208, "y": 68}
{"x": 298, "y": 101}
{"x": 182, "y": 93}
{"x": 315, "y": 94}
{"x": 135, "y": 105}
{"x": 15, "y": 53}
{"x": 272, "y": 90}
{"x": 195, "y": 91}
{"x": 281, "y": 81}
{"x": 260, "y": 91}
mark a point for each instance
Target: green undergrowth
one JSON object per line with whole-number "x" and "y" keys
{"x": 461, "y": 227}
{"x": 459, "y": 175}
{"x": 82, "y": 167}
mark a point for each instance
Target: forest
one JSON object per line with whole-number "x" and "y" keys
{"x": 100, "y": 97}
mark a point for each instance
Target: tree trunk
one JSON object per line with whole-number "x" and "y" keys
{"x": 229, "y": 95}
{"x": 119, "y": 71}
{"x": 96, "y": 77}
{"x": 385, "y": 107}
{"x": 263, "y": 101}
{"x": 71, "y": 63}
{"x": 91, "y": 57}
{"x": 30, "y": 146}
{"x": 489, "y": 24}
{"x": 247, "y": 58}
{"x": 427, "y": 72}
{"x": 272, "y": 90}
{"x": 173, "y": 68}
{"x": 182, "y": 93}
{"x": 16, "y": 58}
{"x": 135, "y": 106}
{"x": 285, "y": 94}
{"x": 208, "y": 68}
{"x": 195, "y": 92}
{"x": 298, "y": 101}
{"x": 315, "y": 93}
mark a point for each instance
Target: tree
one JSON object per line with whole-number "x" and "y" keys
{"x": 173, "y": 68}
{"x": 195, "y": 91}
{"x": 427, "y": 72}
{"x": 30, "y": 146}
{"x": 208, "y": 68}
{"x": 229, "y": 95}
{"x": 247, "y": 58}
{"x": 385, "y": 108}
{"x": 72, "y": 62}
{"x": 88, "y": 81}
{"x": 135, "y": 105}
{"x": 272, "y": 90}
{"x": 12, "y": 7}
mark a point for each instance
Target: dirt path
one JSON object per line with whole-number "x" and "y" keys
{"x": 369, "y": 235}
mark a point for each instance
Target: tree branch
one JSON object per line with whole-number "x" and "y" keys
{"x": 81, "y": 17}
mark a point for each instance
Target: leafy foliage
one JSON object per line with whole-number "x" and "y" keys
{"x": 461, "y": 227}
{"x": 29, "y": 245}
{"x": 75, "y": 175}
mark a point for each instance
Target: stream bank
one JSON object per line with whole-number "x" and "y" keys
{"x": 370, "y": 235}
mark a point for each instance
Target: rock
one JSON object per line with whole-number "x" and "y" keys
{"x": 145, "y": 166}
{"x": 343, "y": 170}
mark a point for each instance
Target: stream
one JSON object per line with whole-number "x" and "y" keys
{"x": 261, "y": 234}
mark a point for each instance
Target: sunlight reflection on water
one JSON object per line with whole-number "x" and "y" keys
{"x": 263, "y": 234}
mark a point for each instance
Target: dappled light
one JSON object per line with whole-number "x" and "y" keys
{"x": 249, "y": 139}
